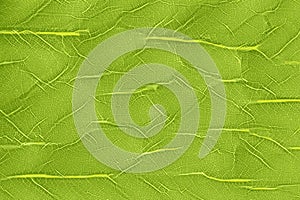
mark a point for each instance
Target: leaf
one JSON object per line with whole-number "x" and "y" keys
{"x": 255, "y": 45}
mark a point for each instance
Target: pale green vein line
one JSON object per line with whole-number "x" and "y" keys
{"x": 24, "y": 144}
{"x": 137, "y": 9}
{"x": 48, "y": 176}
{"x": 271, "y": 140}
{"x": 36, "y": 12}
{"x": 17, "y": 128}
{"x": 7, "y": 192}
{"x": 255, "y": 155}
{"x": 33, "y": 143}
{"x": 259, "y": 158}
{"x": 240, "y": 48}
{"x": 260, "y": 188}
{"x": 12, "y": 62}
{"x": 263, "y": 188}
{"x": 159, "y": 150}
{"x": 286, "y": 45}
{"x": 55, "y": 33}
{"x": 151, "y": 185}
{"x": 10, "y": 146}
{"x": 43, "y": 188}
{"x": 233, "y": 48}
{"x": 236, "y": 80}
{"x": 291, "y": 62}
{"x": 243, "y": 130}
{"x": 237, "y": 180}
{"x": 276, "y": 101}
{"x": 294, "y": 148}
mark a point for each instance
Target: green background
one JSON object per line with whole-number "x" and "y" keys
{"x": 255, "y": 45}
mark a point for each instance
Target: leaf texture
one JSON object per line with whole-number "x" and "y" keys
{"x": 255, "y": 45}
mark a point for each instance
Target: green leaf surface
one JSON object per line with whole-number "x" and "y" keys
{"x": 255, "y": 45}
